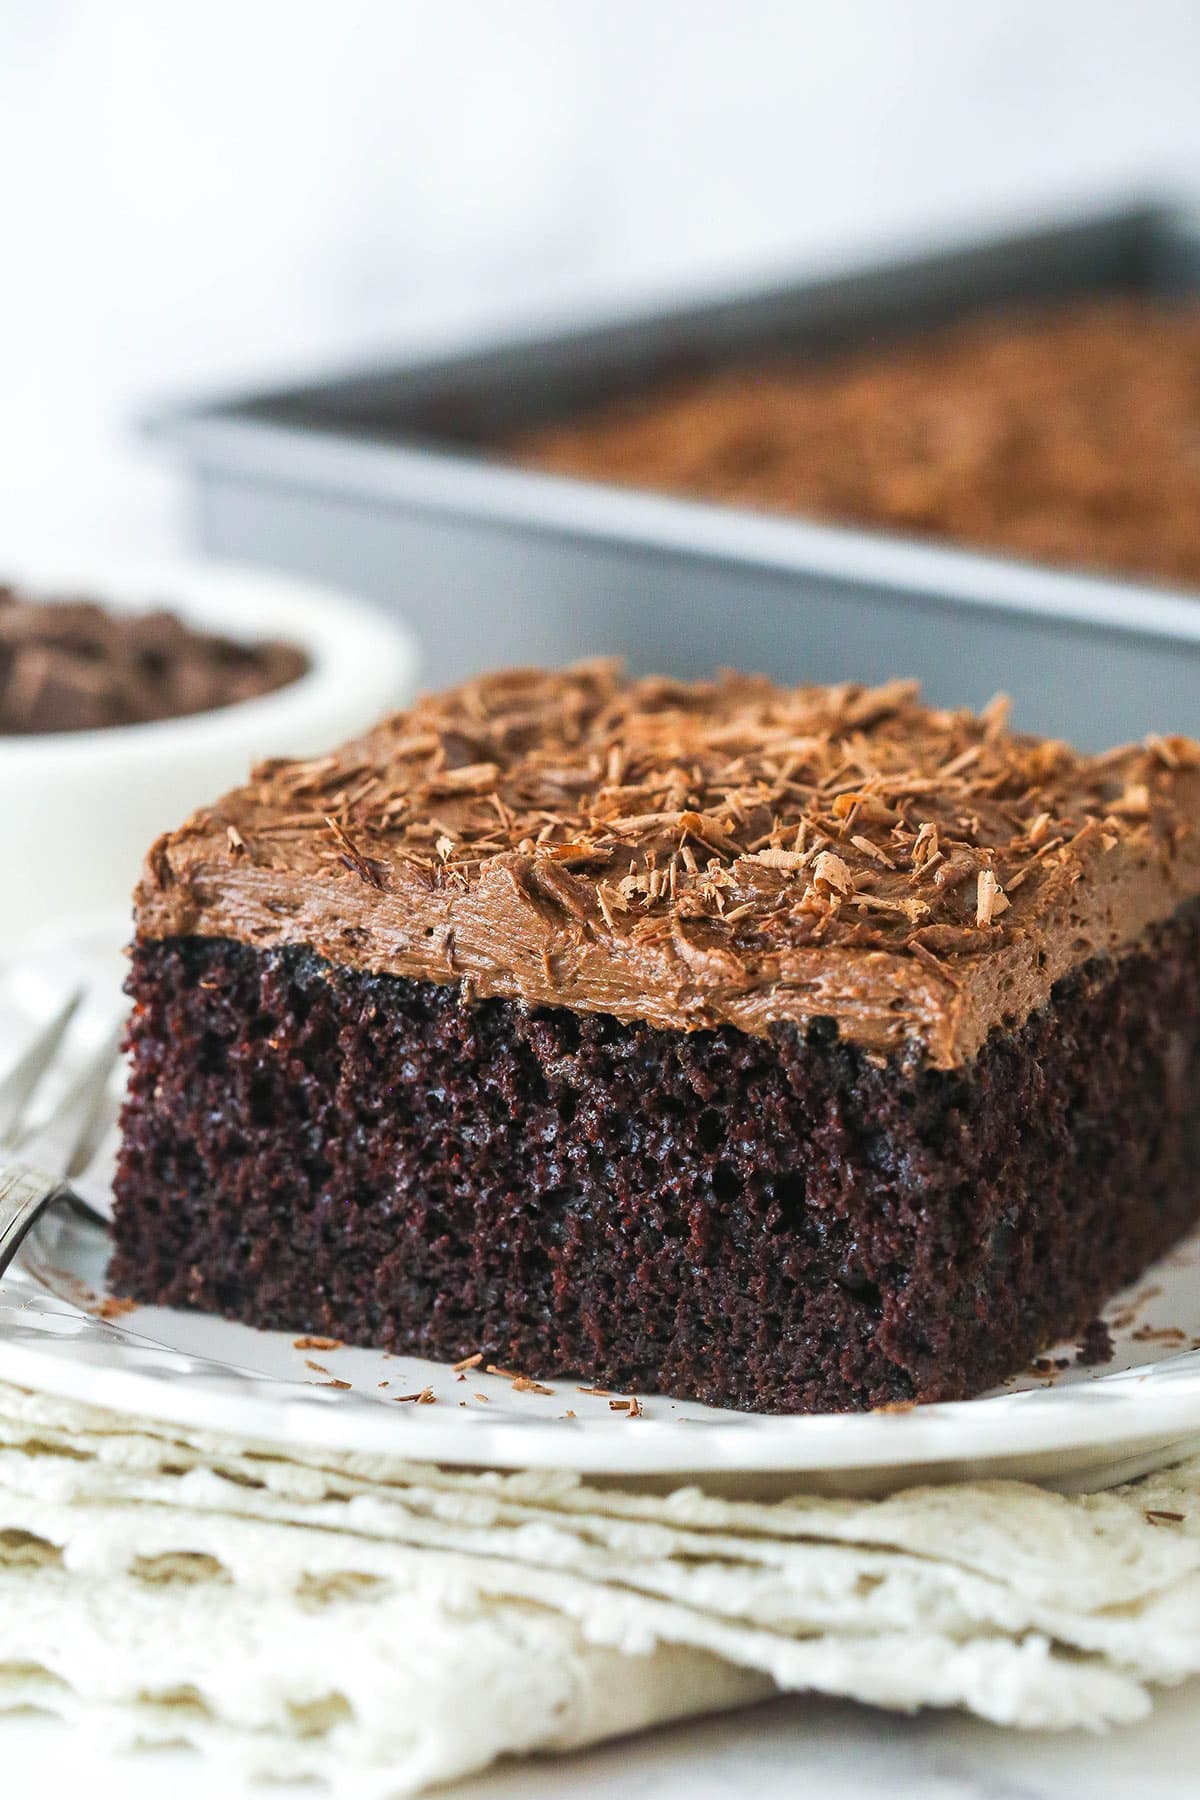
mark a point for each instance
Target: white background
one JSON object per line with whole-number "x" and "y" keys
{"x": 198, "y": 193}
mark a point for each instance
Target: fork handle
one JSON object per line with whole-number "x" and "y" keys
{"x": 24, "y": 1195}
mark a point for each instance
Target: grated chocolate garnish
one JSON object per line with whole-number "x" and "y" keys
{"x": 365, "y": 867}
{"x": 725, "y": 851}
{"x": 720, "y": 782}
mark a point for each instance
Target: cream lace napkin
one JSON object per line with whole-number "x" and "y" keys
{"x": 388, "y": 1625}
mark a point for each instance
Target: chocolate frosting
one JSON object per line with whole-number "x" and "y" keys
{"x": 726, "y": 852}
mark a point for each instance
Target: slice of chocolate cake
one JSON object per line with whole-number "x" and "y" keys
{"x": 786, "y": 1049}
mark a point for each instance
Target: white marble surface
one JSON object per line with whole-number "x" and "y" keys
{"x": 795, "y": 1746}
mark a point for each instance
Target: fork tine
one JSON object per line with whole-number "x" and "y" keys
{"x": 18, "y": 1086}
{"x": 62, "y": 1144}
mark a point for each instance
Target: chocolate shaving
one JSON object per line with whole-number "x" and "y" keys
{"x": 991, "y": 899}
{"x": 365, "y": 867}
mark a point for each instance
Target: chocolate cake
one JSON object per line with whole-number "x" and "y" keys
{"x": 1061, "y": 433}
{"x": 785, "y": 1049}
{"x": 71, "y": 665}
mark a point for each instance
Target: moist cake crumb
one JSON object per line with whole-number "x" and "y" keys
{"x": 1096, "y": 1345}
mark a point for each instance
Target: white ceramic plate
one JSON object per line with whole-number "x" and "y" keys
{"x": 1072, "y": 1425}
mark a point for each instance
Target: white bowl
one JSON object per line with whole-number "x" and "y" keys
{"x": 79, "y": 809}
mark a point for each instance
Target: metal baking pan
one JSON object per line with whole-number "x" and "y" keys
{"x": 382, "y": 480}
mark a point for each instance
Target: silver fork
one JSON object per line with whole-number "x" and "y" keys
{"x": 39, "y": 1159}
